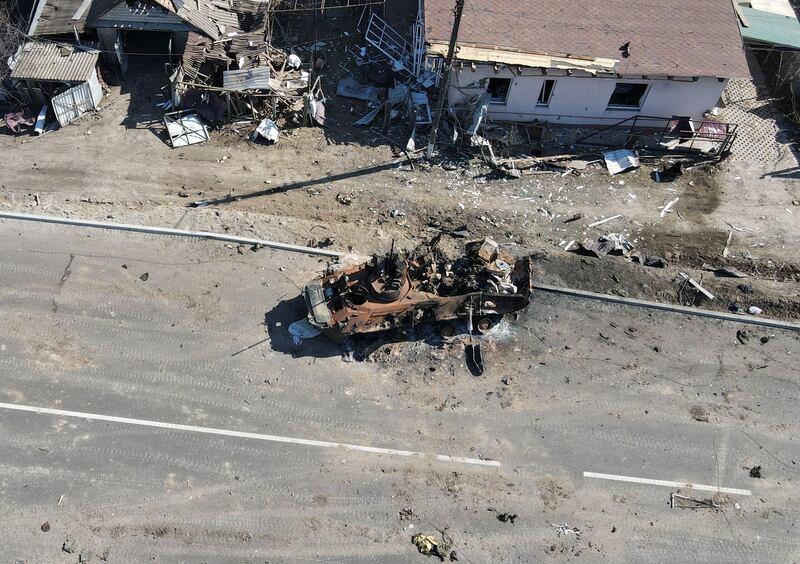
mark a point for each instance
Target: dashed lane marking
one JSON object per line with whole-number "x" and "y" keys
{"x": 244, "y": 435}
{"x": 667, "y": 483}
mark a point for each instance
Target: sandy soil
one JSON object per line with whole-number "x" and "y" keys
{"x": 115, "y": 164}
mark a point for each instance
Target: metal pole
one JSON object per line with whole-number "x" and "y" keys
{"x": 448, "y": 66}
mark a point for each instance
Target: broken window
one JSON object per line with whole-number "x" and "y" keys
{"x": 498, "y": 90}
{"x": 545, "y": 92}
{"x": 627, "y": 95}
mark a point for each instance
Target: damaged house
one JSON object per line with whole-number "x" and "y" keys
{"x": 600, "y": 63}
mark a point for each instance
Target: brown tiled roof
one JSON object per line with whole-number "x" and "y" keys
{"x": 667, "y": 37}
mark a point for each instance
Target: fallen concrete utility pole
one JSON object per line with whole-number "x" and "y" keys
{"x": 174, "y": 232}
{"x": 762, "y": 321}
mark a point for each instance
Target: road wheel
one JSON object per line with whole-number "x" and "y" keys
{"x": 484, "y": 324}
{"x": 447, "y": 330}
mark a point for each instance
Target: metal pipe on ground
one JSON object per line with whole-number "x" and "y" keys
{"x": 173, "y": 232}
{"x": 761, "y": 321}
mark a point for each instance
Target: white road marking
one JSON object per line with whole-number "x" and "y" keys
{"x": 666, "y": 483}
{"x": 243, "y": 435}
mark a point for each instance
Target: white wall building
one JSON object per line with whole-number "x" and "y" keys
{"x": 540, "y": 62}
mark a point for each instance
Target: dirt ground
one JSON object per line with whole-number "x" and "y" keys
{"x": 115, "y": 164}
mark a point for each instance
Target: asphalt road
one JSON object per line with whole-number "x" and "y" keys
{"x": 253, "y": 476}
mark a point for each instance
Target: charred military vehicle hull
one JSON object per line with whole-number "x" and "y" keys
{"x": 396, "y": 291}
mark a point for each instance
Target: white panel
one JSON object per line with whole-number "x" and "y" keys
{"x": 74, "y": 102}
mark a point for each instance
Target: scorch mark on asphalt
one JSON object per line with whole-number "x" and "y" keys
{"x": 244, "y": 435}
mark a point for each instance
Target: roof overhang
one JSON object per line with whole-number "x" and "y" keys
{"x": 516, "y": 57}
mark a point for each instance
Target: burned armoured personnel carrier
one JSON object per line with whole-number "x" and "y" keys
{"x": 398, "y": 290}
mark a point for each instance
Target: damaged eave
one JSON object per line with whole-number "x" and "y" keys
{"x": 503, "y": 55}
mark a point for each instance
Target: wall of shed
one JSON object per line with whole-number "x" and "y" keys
{"x": 582, "y": 100}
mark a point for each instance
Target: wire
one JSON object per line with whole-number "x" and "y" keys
{"x": 67, "y": 44}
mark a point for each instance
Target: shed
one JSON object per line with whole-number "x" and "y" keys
{"x": 769, "y": 28}
{"x": 64, "y": 75}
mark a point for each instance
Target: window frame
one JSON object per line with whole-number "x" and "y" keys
{"x": 508, "y": 91}
{"x": 550, "y": 94}
{"x": 610, "y": 106}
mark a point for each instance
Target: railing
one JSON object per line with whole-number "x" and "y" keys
{"x": 675, "y": 134}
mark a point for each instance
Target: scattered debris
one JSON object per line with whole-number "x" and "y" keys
{"x": 611, "y": 243}
{"x": 755, "y": 472}
{"x": 697, "y": 286}
{"x": 669, "y": 173}
{"x": 753, "y": 310}
{"x": 344, "y": 199}
{"x": 686, "y": 502}
{"x": 301, "y": 330}
{"x": 600, "y": 222}
{"x": 267, "y": 130}
{"x": 652, "y": 261}
{"x": 729, "y": 272}
{"x": 406, "y": 514}
{"x": 726, "y": 250}
{"x": 668, "y": 207}
{"x": 144, "y": 277}
{"x": 427, "y": 545}
{"x": 185, "y": 128}
{"x": 620, "y": 160}
{"x": 699, "y": 414}
{"x": 45, "y": 526}
{"x": 565, "y": 530}
{"x": 507, "y": 517}
{"x": 69, "y": 546}
{"x": 743, "y": 336}
{"x": 575, "y": 217}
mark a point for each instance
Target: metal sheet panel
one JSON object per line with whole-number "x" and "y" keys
{"x": 140, "y": 14}
{"x": 250, "y": 79}
{"x": 73, "y": 103}
{"x": 773, "y": 29}
{"x": 52, "y": 62}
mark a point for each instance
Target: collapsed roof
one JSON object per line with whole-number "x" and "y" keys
{"x": 666, "y": 37}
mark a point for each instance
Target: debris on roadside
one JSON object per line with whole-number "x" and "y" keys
{"x": 729, "y": 272}
{"x": 69, "y": 546}
{"x": 620, "y": 160}
{"x": 605, "y": 220}
{"x": 344, "y": 199}
{"x": 566, "y": 530}
{"x": 744, "y": 336}
{"x": 428, "y": 545}
{"x": 610, "y": 243}
{"x": 678, "y": 501}
{"x": 505, "y": 517}
{"x": 696, "y": 285}
{"x": 699, "y": 414}
{"x": 652, "y": 261}
{"x": 669, "y": 172}
{"x": 668, "y": 207}
{"x": 267, "y": 130}
{"x": 755, "y": 472}
{"x": 301, "y": 330}
{"x": 755, "y": 310}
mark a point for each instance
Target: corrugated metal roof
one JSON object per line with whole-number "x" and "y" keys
{"x": 53, "y": 17}
{"x": 140, "y": 14}
{"x": 764, "y": 27}
{"x": 782, "y": 7}
{"x": 52, "y": 62}
{"x": 250, "y": 79}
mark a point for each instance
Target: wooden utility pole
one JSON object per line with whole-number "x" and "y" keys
{"x": 448, "y": 66}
